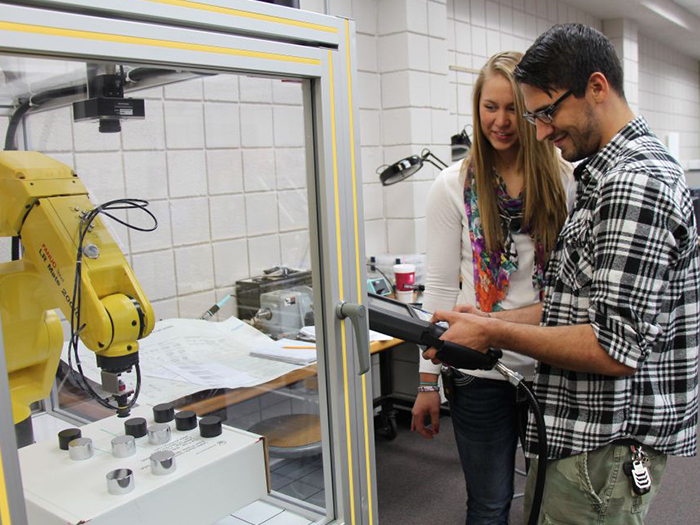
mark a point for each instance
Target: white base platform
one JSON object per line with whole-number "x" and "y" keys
{"x": 214, "y": 478}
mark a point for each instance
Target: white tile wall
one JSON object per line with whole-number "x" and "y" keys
{"x": 393, "y": 54}
{"x": 155, "y": 271}
{"x": 373, "y": 200}
{"x": 102, "y": 174}
{"x": 289, "y": 126}
{"x": 50, "y": 131}
{"x": 261, "y": 213}
{"x": 144, "y": 134}
{"x": 221, "y": 88}
{"x": 190, "y": 220}
{"x": 293, "y": 210}
{"x": 372, "y": 159}
{"x": 256, "y": 89}
{"x": 4, "y": 121}
{"x": 227, "y": 217}
{"x": 366, "y": 53}
{"x": 230, "y": 262}
{"x": 259, "y": 170}
{"x": 224, "y": 171}
{"x": 376, "y": 237}
{"x": 218, "y": 156}
{"x": 222, "y": 126}
{"x": 463, "y": 33}
{"x": 263, "y": 252}
{"x": 290, "y": 168}
{"x": 166, "y": 308}
{"x": 405, "y": 236}
{"x": 365, "y": 14}
{"x": 187, "y": 90}
{"x": 368, "y": 90}
{"x": 194, "y": 269}
{"x": 287, "y": 92}
{"x": 669, "y": 86}
{"x": 295, "y": 249}
{"x": 256, "y": 120}
{"x": 393, "y": 15}
{"x": 187, "y": 173}
{"x": 370, "y": 128}
{"x": 196, "y": 304}
{"x": 184, "y": 124}
{"x": 161, "y": 238}
{"x": 86, "y": 138}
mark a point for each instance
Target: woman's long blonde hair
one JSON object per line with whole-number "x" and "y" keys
{"x": 545, "y": 199}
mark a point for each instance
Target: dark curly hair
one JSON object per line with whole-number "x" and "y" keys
{"x": 565, "y": 56}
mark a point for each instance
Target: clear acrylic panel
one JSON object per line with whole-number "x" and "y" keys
{"x": 221, "y": 159}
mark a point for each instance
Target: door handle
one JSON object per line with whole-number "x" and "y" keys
{"x": 360, "y": 323}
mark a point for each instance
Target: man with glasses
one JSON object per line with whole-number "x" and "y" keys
{"x": 617, "y": 334}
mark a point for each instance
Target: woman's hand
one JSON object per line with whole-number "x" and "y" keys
{"x": 469, "y": 309}
{"x": 426, "y": 404}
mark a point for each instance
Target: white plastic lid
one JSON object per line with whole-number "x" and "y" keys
{"x": 404, "y": 268}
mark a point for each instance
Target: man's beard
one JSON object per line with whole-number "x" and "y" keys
{"x": 586, "y": 142}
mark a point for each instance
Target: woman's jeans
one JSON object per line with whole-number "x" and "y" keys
{"x": 486, "y": 417}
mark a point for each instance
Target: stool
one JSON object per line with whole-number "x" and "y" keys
{"x": 292, "y": 435}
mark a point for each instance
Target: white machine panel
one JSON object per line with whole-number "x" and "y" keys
{"x": 214, "y": 477}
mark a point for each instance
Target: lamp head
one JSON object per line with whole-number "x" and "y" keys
{"x": 400, "y": 170}
{"x": 461, "y": 144}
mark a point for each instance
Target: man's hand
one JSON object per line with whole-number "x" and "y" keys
{"x": 427, "y": 403}
{"x": 465, "y": 329}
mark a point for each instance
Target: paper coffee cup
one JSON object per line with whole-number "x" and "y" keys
{"x": 405, "y": 277}
{"x": 404, "y": 297}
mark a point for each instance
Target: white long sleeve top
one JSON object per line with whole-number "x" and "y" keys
{"x": 449, "y": 256}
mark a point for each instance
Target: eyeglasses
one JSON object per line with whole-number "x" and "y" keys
{"x": 546, "y": 115}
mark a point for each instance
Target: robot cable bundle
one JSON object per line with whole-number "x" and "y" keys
{"x": 76, "y": 327}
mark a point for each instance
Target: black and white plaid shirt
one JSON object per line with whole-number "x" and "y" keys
{"x": 626, "y": 262}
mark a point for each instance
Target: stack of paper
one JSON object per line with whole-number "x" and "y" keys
{"x": 309, "y": 332}
{"x": 183, "y": 356}
{"x": 288, "y": 351}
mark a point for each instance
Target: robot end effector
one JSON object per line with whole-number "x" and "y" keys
{"x": 70, "y": 262}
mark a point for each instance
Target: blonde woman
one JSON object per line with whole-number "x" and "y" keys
{"x": 491, "y": 222}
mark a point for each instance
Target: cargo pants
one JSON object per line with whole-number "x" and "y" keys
{"x": 592, "y": 488}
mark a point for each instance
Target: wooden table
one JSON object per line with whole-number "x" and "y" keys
{"x": 291, "y": 435}
{"x": 226, "y": 397}
{"x": 210, "y": 400}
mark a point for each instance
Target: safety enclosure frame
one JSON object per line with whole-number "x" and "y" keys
{"x": 247, "y": 37}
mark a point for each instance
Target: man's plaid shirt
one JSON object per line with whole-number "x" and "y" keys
{"x": 626, "y": 262}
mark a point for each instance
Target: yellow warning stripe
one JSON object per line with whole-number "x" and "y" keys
{"x": 245, "y": 14}
{"x": 123, "y": 39}
{"x": 4, "y": 503}
{"x": 368, "y": 463}
{"x": 339, "y": 254}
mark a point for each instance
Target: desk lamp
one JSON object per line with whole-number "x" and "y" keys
{"x": 461, "y": 144}
{"x": 404, "y": 168}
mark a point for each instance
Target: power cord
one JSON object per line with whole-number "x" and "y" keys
{"x": 76, "y": 327}
{"x": 373, "y": 266}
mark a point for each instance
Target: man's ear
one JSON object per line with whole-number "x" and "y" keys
{"x": 598, "y": 88}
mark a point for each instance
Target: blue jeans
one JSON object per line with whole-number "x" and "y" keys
{"x": 486, "y": 417}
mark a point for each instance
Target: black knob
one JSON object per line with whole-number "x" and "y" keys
{"x": 68, "y": 435}
{"x": 186, "y": 420}
{"x": 210, "y": 426}
{"x": 136, "y": 426}
{"x": 164, "y": 413}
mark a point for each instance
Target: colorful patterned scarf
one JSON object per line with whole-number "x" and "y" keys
{"x": 492, "y": 270}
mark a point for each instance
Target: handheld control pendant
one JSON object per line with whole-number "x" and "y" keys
{"x": 400, "y": 320}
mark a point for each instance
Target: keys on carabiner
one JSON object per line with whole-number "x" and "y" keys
{"x": 637, "y": 471}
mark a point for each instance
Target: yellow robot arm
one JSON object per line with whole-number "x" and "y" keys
{"x": 44, "y": 202}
